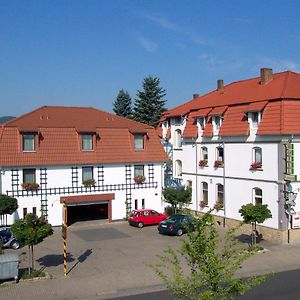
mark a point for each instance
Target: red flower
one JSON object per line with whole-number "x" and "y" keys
{"x": 256, "y": 165}
{"x": 203, "y": 163}
{"x": 218, "y": 163}
{"x": 139, "y": 179}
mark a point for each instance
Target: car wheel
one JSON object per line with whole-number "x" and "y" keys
{"x": 15, "y": 245}
{"x": 140, "y": 225}
{"x": 179, "y": 232}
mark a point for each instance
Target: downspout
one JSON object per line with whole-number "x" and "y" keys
{"x": 224, "y": 190}
{"x": 196, "y": 166}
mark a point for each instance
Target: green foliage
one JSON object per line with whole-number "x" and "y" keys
{"x": 89, "y": 182}
{"x": 255, "y": 213}
{"x": 122, "y": 105}
{"x": 31, "y": 230}
{"x": 149, "y": 104}
{"x": 175, "y": 196}
{"x": 212, "y": 264}
{"x": 8, "y": 205}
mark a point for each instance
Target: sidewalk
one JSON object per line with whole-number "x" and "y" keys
{"x": 115, "y": 270}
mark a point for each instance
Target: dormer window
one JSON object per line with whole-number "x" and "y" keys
{"x": 201, "y": 122}
{"x": 28, "y": 141}
{"x": 217, "y": 122}
{"x": 255, "y": 118}
{"x": 138, "y": 141}
{"x": 87, "y": 142}
{"x": 177, "y": 121}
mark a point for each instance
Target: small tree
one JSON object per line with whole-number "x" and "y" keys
{"x": 122, "y": 106}
{"x": 31, "y": 231}
{"x": 212, "y": 264}
{"x": 253, "y": 214}
{"x": 149, "y": 104}
{"x": 8, "y": 206}
{"x": 176, "y": 196}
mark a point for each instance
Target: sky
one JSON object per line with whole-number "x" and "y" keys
{"x": 82, "y": 53}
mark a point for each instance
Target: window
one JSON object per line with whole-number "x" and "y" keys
{"x": 204, "y": 154}
{"x": 29, "y": 176}
{"x": 28, "y": 142}
{"x": 177, "y": 121}
{"x": 138, "y": 141}
{"x": 289, "y": 159}
{"x": 205, "y": 192}
{"x": 257, "y": 155}
{"x": 178, "y": 168}
{"x": 87, "y": 173}
{"x": 34, "y": 210}
{"x": 255, "y": 118}
{"x": 201, "y": 122}
{"x": 143, "y": 203}
{"x": 138, "y": 170}
{"x": 135, "y": 204}
{"x": 87, "y": 142}
{"x": 220, "y": 154}
{"x": 220, "y": 194}
{"x": 257, "y": 196}
{"x": 24, "y": 212}
{"x": 217, "y": 122}
{"x": 178, "y": 142}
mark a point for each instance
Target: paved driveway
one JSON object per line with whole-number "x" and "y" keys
{"x": 102, "y": 259}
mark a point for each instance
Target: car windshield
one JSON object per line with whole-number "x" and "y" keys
{"x": 134, "y": 214}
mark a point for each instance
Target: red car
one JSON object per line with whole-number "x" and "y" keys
{"x": 142, "y": 217}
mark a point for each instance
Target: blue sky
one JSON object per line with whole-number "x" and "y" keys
{"x": 81, "y": 53}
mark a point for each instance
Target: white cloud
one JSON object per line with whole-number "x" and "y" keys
{"x": 159, "y": 20}
{"x": 277, "y": 64}
{"x": 147, "y": 44}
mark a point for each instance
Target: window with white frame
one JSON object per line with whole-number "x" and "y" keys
{"x": 205, "y": 192}
{"x": 87, "y": 142}
{"x": 29, "y": 176}
{"x": 178, "y": 139}
{"x": 178, "y": 168}
{"x": 256, "y": 158}
{"x": 204, "y": 153}
{"x": 177, "y": 121}
{"x": 138, "y": 141}
{"x": 255, "y": 118}
{"x": 28, "y": 141}
{"x": 201, "y": 122}
{"x": 217, "y": 121}
{"x": 220, "y": 154}
{"x": 138, "y": 170}
{"x": 87, "y": 173}
{"x": 257, "y": 196}
{"x": 220, "y": 194}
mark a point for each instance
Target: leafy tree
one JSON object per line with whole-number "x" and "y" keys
{"x": 253, "y": 214}
{"x": 149, "y": 104}
{"x": 8, "y": 206}
{"x": 176, "y": 196}
{"x": 122, "y": 106}
{"x": 212, "y": 263}
{"x": 31, "y": 231}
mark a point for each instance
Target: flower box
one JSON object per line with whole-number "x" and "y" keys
{"x": 256, "y": 165}
{"x": 203, "y": 163}
{"x": 218, "y": 205}
{"x": 139, "y": 179}
{"x": 89, "y": 182}
{"x": 203, "y": 204}
{"x": 218, "y": 164}
{"x": 30, "y": 186}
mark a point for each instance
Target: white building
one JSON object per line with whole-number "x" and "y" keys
{"x": 240, "y": 144}
{"x": 84, "y": 157}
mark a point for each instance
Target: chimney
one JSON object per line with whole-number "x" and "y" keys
{"x": 220, "y": 84}
{"x": 195, "y": 96}
{"x": 266, "y": 75}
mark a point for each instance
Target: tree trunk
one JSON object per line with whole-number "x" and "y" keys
{"x": 29, "y": 260}
{"x": 252, "y": 235}
{"x": 32, "y": 260}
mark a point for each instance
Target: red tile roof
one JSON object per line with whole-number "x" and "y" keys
{"x": 60, "y": 128}
{"x": 191, "y": 129}
{"x": 273, "y": 98}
